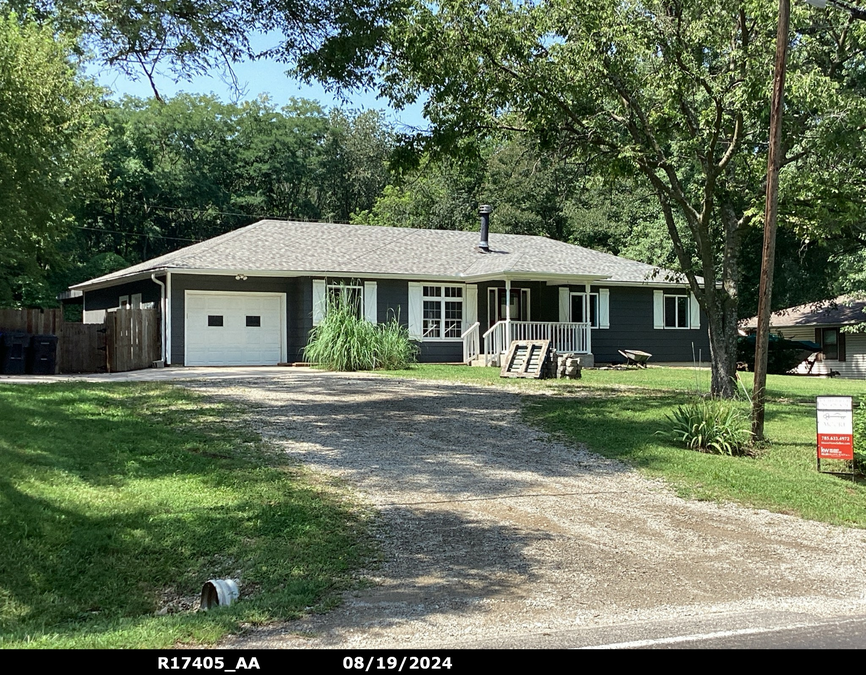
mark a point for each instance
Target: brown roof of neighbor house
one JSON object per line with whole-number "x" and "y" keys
{"x": 841, "y": 311}
{"x": 334, "y": 248}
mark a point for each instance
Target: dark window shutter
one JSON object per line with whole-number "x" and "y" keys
{"x": 819, "y": 337}
{"x": 841, "y": 345}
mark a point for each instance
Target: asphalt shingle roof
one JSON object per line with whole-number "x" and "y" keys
{"x": 288, "y": 246}
{"x": 841, "y": 311}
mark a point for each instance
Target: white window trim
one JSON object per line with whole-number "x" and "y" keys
{"x": 442, "y": 319}
{"x": 687, "y": 298}
{"x": 525, "y": 297}
{"x": 341, "y": 288}
{"x": 582, "y": 294}
{"x": 693, "y": 316}
{"x": 369, "y": 302}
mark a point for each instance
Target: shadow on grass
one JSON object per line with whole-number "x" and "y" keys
{"x": 782, "y": 477}
{"x": 117, "y": 501}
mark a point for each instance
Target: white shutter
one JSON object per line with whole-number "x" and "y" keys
{"x": 695, "y": 306}
{"x": 371, "y": 303}
{"x": 416, "y": 310}
{"x": 318, "y": 301}
{"x": 658, "y": 309}
{"x": 470, "y": 306}
{"x": 604, "y": 308}
{"x": 564, "y": 305}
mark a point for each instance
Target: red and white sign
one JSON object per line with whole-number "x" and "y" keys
{"x": 835, "y": 427}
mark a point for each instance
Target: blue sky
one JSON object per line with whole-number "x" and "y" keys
{"x": 256, "y": 78}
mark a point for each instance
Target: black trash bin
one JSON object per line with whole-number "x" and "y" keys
{"x": 42, "y": 358}
{"x": 13, "y": 353}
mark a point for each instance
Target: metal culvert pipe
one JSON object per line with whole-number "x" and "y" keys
{"x": 216, "y": 592}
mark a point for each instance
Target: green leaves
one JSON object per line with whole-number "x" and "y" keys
{"x": 344, "y": 341}
{"x": 713, "y": 426}
{"x": 48, "y": 148}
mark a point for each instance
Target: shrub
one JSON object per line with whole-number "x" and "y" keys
{"x": 713, "y": 426}
{"x": 394, "y": 349}
{"x": 344, "y": 341}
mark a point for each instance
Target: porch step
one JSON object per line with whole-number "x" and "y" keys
{"x": 481, "y": 361}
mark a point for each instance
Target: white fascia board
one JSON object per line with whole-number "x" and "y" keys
{"x": 86, "y": 286}
{"x": 651, "y": 283}
{"x": 551, "y": 278}
{"x": 443, "y": 278}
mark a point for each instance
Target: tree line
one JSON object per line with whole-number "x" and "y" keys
{"x": 639, "y": 128}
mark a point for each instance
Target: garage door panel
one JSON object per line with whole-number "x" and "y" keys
{"x": 234, "y": 342}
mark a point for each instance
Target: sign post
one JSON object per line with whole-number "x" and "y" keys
{"x": 835, "y": 424}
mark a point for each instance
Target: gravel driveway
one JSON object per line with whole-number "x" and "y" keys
{"x": 493, "y": 533}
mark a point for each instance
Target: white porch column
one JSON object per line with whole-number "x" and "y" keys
{"x": 587, "y": 318}
{"x": 507, "y": 313}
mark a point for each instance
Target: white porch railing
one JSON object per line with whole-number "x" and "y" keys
{"x": 471, "y": 343}
{"x": 564, "y": 337}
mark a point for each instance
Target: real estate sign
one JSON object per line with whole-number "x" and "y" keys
{"x": 835, "y": 427}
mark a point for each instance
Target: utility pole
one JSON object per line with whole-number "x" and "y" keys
{"x": 765, "y": 292}
{"x": 768, "y": 255}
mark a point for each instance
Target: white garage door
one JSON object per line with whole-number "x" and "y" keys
{"x": 234, "y": 329}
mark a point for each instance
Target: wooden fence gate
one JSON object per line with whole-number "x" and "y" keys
{"x": 132, "y": 338}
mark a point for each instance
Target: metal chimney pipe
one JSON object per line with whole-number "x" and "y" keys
{"x": 484, "y": 211}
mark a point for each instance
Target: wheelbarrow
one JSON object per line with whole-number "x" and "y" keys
{"x": 635, "y": 357}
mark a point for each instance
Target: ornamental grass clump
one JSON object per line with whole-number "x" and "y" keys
{"x": 712, "y": 426}
{"x": 344, "y": 341}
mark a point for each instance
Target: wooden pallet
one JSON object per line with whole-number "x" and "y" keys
{"x": 526, "y": 358}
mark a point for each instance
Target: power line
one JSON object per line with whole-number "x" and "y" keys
{"x": 133, "y": 234}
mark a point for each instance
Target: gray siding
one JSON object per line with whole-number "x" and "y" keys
{"x": 631, "y": 315}
{"x": 631, "y": 327}
{"x": 631, "y": 323}
{"x": 109, "y": 298}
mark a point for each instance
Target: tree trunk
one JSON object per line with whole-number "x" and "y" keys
{"x": 723, "y": 345}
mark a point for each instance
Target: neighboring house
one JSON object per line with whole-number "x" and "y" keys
{"x": 822, "y": 322}
{"x": 251, "y": 296}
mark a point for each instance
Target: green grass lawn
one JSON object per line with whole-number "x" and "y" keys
{"x": 617, "y": 413}
{"x": 118, "y": 501}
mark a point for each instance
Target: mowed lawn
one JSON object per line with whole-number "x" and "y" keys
{"x": 118, "y": 501}
{"x": 617, "y": 413}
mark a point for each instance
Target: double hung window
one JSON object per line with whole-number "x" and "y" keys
{"x": 676, "y": 311}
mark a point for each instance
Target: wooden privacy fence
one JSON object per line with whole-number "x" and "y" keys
{"x": 128, "y": 340}
{"x": 81, "y": 348}
{"x": 132, "y": 338}
{"x": 33, "y": 321}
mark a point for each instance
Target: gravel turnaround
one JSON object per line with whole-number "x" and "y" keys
{"x": 494, "y": 534}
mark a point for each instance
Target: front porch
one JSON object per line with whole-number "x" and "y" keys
{"x": 572, "y": 337}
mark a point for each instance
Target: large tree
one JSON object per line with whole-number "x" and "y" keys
{"x": 670, "y": 92}
{"x": 48, "y": 146}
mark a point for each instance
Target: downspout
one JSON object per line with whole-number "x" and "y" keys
{"x": 167, "y": 318}
{"x": 162, "y": 308}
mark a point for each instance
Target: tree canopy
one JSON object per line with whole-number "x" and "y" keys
{"x": 48, "y": 142}
{"x": 673, "y": 94}
{"x": 183, "y": 38}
